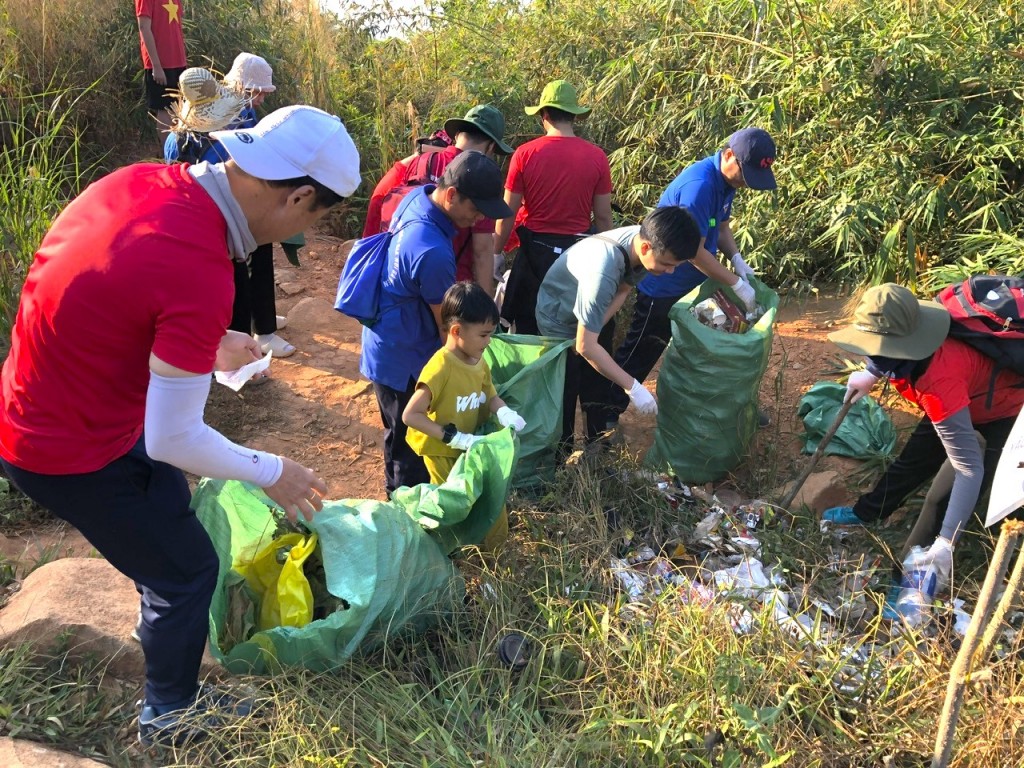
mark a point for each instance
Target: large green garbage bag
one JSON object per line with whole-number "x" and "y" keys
{"x": 708, "y": 389}
{"x": 866, "y": 431}
{"x": 387, "y": 560}
{"x": 529, "y": 374}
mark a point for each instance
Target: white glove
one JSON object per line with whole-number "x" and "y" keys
{"x": 642, "y": 399}
{"x": 509, "y": 418}
{"x": 858, "y": 385}
{"x": 745, "y": 293}
{"x": 740, "y": 267}
{"x": 463, "y": 441}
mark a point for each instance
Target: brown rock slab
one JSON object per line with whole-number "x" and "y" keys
{"x": 292, "y": 288}
{"x": 16, "y": 753}
{"x": 820, "y": 491}
{"x": 79, "y": 605}
{"x": 27, "y": 549}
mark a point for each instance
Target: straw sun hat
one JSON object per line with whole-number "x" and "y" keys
{"x": 203, "y": 104}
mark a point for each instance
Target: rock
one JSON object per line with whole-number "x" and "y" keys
{"x": 311, "y": 315}
{"x": 15, "y": 753}
{"x": 27, "y": 549}
{"x": 292, "y": 288}
{"x": 82, "y": 606}
{"x": 820, "y": 491}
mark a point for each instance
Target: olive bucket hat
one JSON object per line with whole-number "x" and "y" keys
{"x": 561, "y": 95}
{"x": 891, "y": 322}
{"x": 484, "y": 118}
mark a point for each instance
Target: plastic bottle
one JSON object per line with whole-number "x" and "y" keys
{"x": 924, "y": 572}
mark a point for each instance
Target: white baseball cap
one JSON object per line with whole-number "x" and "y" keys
{"x": 251, "y": 72}
{"x": 296, "y": 141}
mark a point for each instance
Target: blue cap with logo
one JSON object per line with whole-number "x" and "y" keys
{"x": 755, "y": 151}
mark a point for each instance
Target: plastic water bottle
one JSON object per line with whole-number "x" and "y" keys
{"x": 924, "y": 571}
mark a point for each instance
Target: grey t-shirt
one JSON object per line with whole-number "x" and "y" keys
{"x": 581, "y": 284}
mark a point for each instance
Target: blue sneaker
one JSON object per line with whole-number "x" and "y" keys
{"x": 192, "y": 720}
{"x": 841, "y": 516}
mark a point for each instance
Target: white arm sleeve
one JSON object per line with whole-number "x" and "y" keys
{"x": 176, "y": 434}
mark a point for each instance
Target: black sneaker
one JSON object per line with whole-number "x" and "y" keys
{"x": 180, "y": 724}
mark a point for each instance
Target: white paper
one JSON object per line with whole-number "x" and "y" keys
{"x": 1008, "y": 485}
{"x": 237, "y": 379}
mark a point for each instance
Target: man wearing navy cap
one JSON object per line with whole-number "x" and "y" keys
{"x": 706, "y": 189}
{"x": 419, "y": 269}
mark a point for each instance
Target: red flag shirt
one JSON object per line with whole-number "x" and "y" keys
{"x": 137, "y": 263}
{"x": 165, "y": 21}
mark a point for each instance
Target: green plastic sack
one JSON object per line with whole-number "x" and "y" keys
{"x": 865, "y": 433}
{"x": 529, "y": 374}
{"x": 395, "y": 576}
{"x": 708, "y": 390}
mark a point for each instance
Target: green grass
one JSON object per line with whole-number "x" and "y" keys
{"x": 608, "y": 686}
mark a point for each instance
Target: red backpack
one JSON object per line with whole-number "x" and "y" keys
{"x": 987, "y": 312}
{"x": 425, "y": 169}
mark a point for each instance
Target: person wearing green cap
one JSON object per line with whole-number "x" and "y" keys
{"x": 554, "y": 184}
{"x": 962, "y": 394}
{"x": 481, "y": 130}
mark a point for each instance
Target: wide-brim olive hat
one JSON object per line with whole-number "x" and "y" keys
{"x": 484, "y": 118}
{"x": 561, "y": 95}
{"x": 891, "y": 322}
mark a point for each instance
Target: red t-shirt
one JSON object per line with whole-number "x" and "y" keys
{"x": 137, "y": 263}
{"x": 396, "y": 177}
{"x": 165, "y": 21}
{"x": 558, "y": 177}
{"x": 960, "y": 376}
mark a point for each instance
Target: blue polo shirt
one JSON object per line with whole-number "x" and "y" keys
{"x": 703, "y": 191}
{"x": 419, "y": 269}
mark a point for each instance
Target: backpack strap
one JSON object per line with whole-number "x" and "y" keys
{"x": 618, "y": 246}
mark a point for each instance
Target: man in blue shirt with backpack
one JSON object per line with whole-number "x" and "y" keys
{"x": 420, "y": 267}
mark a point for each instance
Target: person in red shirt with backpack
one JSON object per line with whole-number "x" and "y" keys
{"x": 960, "y": 389}
{"x": 481, "y": 130}
{"x": 555, "y": 183}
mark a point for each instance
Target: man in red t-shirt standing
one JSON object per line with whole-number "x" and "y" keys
{"x": 163, "y": 54}
{"x": 481, "y": 130}
{"x": 121, "y": 322}
{"x": 558, "y": 180}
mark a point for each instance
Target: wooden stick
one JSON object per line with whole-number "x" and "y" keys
{"x": 1012, "y": 529}
{"x": 817, "y": 455}
{"x": 1013, "y": 586}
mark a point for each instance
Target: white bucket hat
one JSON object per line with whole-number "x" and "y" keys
{"x": 250, "y": 72}
{"x": 203, "y": 104}
{"x": 296, "y": 141}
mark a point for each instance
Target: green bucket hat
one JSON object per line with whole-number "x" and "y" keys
{"x": 484, "y": 118}
{"x": 890, "y": 321}
{"x": 561, "y": 95}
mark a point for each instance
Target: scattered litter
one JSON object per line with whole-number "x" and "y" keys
{"x": 723, "y": 314}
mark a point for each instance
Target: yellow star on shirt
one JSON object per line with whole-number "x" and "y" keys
{"x": 172, "y": 11}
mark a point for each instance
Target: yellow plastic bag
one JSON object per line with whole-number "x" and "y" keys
{"x": 275, "y": 574}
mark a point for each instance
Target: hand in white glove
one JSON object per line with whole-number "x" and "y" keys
{"x": 745, "y": 293}
{"x": 463, "y": 441}
{"x": 642, "y": 399}
{"x": 858, "y": 385}
{"x": 509, "y": 418}
{"x": 740, "y": 267}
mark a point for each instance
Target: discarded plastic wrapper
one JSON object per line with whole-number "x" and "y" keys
{"x": 235, "y": 380}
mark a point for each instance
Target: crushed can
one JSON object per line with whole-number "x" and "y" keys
{"x": 514, "y": 651}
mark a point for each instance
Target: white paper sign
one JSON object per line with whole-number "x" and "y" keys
{"x": 1008, "y": 485}
{"x": 237, "y": 379}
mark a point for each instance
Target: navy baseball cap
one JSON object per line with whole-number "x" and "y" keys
{"x": 476, "y": 176}
{"x": 755, "y": 151}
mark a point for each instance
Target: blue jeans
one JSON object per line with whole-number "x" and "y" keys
{"x": 135, "y": 512}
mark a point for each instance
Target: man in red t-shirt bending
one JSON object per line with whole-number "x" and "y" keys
{"x": 558, "y": 181}
{"x": 163, "y": 54}
{"x": 481, "y": 130}
{"x": 121, "y": 323}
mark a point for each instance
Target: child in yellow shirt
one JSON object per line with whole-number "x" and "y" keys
{"x": 454, "y": 394}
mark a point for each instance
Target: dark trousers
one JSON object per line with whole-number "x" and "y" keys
{"x": 918, "y": 462}
{"x": 401, "y": 464}
{"x": 585, "y": 384}
{"x": 255, "y": 308}
{"x": 537, "y": 252}
{"x": 135, "y": 512}
{"x": 649, "y": 333}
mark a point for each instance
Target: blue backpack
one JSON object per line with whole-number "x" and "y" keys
{"x": 359, "y": 286}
